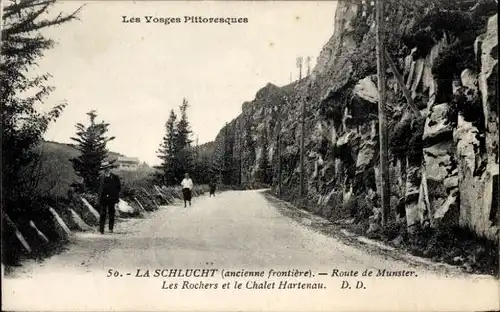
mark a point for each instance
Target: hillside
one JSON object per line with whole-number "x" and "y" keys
{"x": 206, "y": 150}
{"x": 56, "y": 172}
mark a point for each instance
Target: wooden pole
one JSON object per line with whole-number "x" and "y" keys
{"x": 308, "y": 65}
{"x": 382, "y": 118}
{"x": 197, "y": 149}
{"x": 239, "y": 146}
{"x": 240, "y": 152}
{"x": 302, "y": 152}
{"x": 279, "y": 156}
{"x": 224, "y": 157}
{"x": 299, "y": 66}
{"x": 401, "y": 84}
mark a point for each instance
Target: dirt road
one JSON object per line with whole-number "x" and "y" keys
{"x": 239, "y": 231}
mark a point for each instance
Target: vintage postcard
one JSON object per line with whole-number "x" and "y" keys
{"x": 250, "y": 155}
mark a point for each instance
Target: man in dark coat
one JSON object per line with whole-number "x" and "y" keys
{"x": 109, "y": 196}
{"x": 212, "y": 186}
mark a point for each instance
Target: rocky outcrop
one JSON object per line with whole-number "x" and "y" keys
{"x": 444, "y": 162}
{"x": 477, "y": 144}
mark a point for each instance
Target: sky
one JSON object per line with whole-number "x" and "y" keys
{"x": 133, "y": 74}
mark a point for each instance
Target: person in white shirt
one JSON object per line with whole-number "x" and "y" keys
{"x": 187, "y": 185}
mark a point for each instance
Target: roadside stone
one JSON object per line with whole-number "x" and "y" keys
{"x": 306, "y": 221}
{"x": 373, "y": 227}
{"x": 458, "y": 259}
{"x": 397, "y": 242}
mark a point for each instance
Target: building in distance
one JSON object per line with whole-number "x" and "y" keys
{"x": 127, "y": 163}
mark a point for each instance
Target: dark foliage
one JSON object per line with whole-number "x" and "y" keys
{"x": 166, "y": 152}
{"x": 92, "y": 146}
{"x": 467, "y": 103}
{"x": 456, "y": 246}
{"x": 22, "y": 125}
{"x": 184, "y": 153}
{"x": 365, "y": 180}
{"x": 359, "y": 208}
{"x": 405, "y": 140}
{"x": 461, "y": 23}
{"x": 176, "y": 152}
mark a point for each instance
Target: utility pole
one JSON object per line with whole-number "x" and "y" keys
{"x": 197, "y": 150}
{"x": 222, "y": 168}
{"x": 299, "y": 65}
{"x": 279, "y": 155}
{"x": 382, "y": 118}
{"x": 308, "y": 59}
{"x": 239, "y": 158}
{"x": 302, "y": 151}
{"x": 238, "y": 145}
{"x": 302, "y": 134}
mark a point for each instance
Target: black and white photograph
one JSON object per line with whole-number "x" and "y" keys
{"x": 166, "y": 155}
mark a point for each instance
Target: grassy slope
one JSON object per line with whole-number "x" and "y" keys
{"x": 57, "y": 174}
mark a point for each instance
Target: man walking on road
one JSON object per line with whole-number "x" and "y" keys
{"x": 212, "y": 186}
{"x": 187, "y": 185}
{"x": 109, "y": 196}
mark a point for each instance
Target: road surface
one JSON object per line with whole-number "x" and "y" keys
{"x": 236, "y": 231}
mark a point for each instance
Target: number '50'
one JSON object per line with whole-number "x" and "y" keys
{"x": 113, "y": 273}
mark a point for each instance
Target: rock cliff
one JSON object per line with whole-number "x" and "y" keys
{"x": 444, "y": 162}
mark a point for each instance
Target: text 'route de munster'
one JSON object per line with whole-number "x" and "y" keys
{"x": 149, "y": 19}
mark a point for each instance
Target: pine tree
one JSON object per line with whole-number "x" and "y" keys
{"x": 22, "y": 125}
{"x": 92, "y": 146}
{"x": 184, "y": 153}
{"x": 183, "y": 128}
{"x": 167, "y": 152}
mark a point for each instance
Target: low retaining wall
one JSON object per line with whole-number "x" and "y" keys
{"x": 56, "y": 223}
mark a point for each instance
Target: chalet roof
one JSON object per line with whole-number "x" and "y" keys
{"x": 128, "y": 160}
